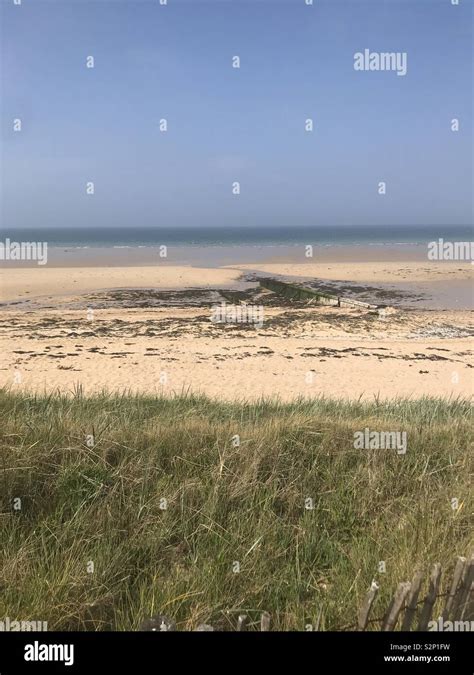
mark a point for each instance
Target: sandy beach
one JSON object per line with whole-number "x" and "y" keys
{"x": 149, "y": 329}
{"x": 236, "y": 336}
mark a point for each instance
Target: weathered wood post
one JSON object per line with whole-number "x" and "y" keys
{"x": 391, "y": 616}
{"x": 242, "y": 622}
{"x": 430, "y": 599}
{"x": 412, "y": 601}
{"x": 265, "y": 621}
{"x": 365, "y": 609}
{"x": 464, "y": 598}
{"x": 457, "y": 578}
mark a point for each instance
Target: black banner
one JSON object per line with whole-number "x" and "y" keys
{"x": 153, "y": 651}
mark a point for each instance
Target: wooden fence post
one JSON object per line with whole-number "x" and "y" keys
{"x": 430, "y": 597}
{"x": 364, "y": 612}
{"x": 412, "y": 601}
{"x": 241, "y": 622}
{"x": 391, "y": 616}
{"x": 457, "y": 578}
{"x": 465, "y": 592}
{"x": 265, "y": 621}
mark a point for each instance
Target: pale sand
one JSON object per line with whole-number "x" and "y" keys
{"x": 29, "y": 282}
{"x": 131, "y": 349}
{"x": 308, "y": 351}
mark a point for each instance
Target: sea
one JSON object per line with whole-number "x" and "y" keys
{"x": 215, "y": 247}
{"x": 292, "y": 235}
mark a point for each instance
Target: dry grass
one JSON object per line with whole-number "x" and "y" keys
{"x": 224, "y": 504}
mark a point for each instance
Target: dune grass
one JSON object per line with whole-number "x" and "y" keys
{"x": 155, "y": 515}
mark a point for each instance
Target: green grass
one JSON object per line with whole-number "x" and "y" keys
{"x": 224, "y": 504}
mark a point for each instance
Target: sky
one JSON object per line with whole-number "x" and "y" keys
{"x": 227, "y": 125}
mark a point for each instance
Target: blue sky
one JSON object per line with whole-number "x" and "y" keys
{"x": 227, "y": 124}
